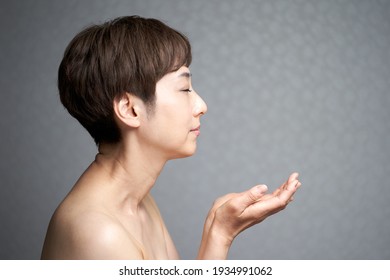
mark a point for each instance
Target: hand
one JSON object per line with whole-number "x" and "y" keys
{"x": 235, "y": 212}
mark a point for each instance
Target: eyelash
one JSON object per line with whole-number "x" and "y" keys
{"x": 187, "y": 90}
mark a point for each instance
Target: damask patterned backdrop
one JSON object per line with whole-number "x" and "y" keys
{"x": 294, "y": 85}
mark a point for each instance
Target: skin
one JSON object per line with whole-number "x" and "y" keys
{"x": 110, "y": 214}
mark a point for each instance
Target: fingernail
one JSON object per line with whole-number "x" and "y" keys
{"x": 263, "y": 188}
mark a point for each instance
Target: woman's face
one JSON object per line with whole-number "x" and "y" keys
{"x": 175, "y": 123}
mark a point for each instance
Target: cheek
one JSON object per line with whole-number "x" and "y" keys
{"x": 176, "y": 112}
{"x": 168, "y": 119}
{"x": 175, "y": 122}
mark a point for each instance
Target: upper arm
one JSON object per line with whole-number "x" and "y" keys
{"x": 107, "y": 242}
{"x": 90, "y": 237}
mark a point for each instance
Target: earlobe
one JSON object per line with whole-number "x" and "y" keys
{"x": 126, "y": 110}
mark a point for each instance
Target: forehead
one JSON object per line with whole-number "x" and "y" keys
{"x": 175, "y": 78}
{"x": 182, "y": 72}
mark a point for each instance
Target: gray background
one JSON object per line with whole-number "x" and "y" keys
{"x": 290, "y": 86}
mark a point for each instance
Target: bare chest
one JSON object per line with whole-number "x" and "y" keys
{"x": 147, "y": 231}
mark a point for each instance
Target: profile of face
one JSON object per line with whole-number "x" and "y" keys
{"x": 173, "y": 127}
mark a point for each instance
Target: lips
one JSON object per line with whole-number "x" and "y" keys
{"x": 196, "y": 130}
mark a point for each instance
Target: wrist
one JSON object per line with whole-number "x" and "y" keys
{"x": 220, "y": 237}
{"x": 215, "y": 244}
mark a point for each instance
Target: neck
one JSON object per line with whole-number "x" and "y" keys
{"x": 131, "y": 173}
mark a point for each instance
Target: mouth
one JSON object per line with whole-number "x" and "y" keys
{"x": 196, "y": 130}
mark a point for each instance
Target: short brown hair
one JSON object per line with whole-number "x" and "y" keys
{"x": 128, "y": 54}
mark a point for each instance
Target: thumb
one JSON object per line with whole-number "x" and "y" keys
{"x": 252, "y": 195}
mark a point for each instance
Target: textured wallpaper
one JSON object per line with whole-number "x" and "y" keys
{"x": 290, "y": 85}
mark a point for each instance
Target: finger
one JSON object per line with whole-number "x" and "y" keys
{"x": 278, "y": 190}
{"x": 287, "y": 193}
{"x": 276, "y": 203}
{"x": 294, "y": 176}
{"x": 296, "y": 188}
{"x": 291, "y": 178}
{"x": 263, "y": 209}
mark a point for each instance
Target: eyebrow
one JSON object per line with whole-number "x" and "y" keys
{"x": 185, "y": 74}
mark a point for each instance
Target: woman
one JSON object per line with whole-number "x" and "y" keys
{"x": 128, "y": 83}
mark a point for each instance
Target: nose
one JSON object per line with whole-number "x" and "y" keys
{"x": 200, "y": 107}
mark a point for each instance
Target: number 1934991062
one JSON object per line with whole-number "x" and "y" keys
{"x": 242, "y": 270}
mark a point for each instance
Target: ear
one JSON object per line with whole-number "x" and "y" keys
{"x": 127, "y": 109}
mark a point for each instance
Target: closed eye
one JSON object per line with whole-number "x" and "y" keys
{"x": 187, "y": 90}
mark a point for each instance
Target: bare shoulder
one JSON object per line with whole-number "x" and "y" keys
{"x": 88, "y": 234}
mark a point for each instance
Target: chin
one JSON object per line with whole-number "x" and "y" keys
{"x": 185, "y": 153}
